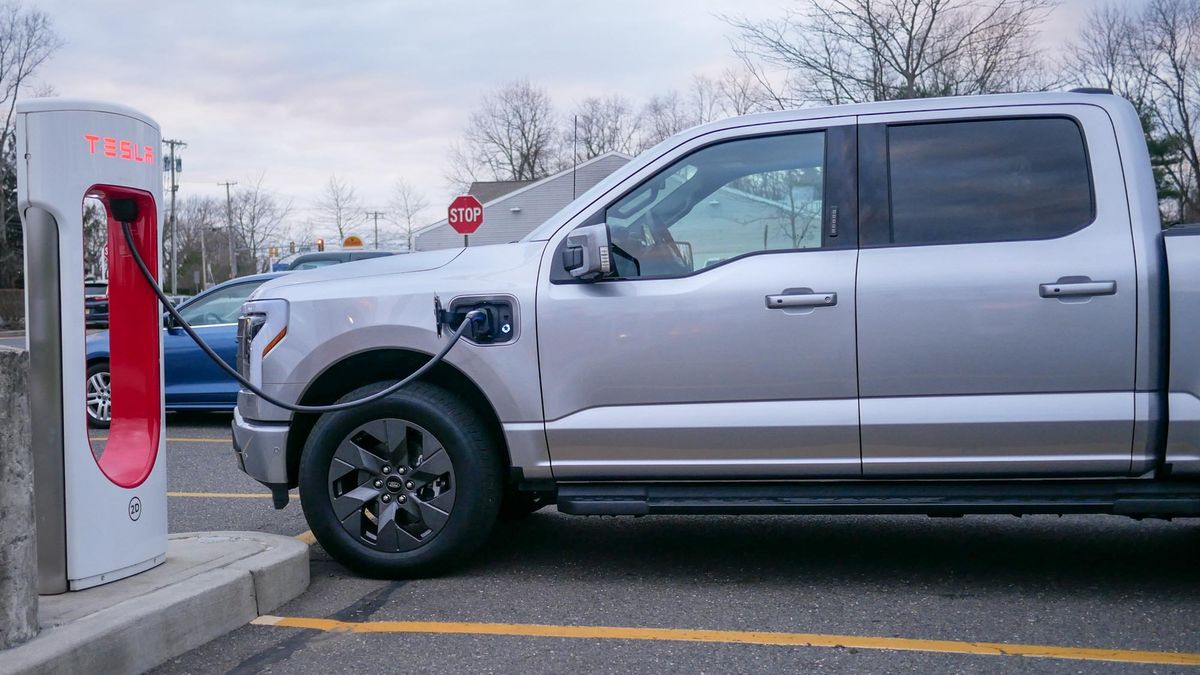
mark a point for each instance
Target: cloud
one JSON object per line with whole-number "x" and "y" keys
{"x": 372, "y": 90}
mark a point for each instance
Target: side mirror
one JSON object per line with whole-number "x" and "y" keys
{"x": 586, "y": 255}
{"x": 168, "y": 322}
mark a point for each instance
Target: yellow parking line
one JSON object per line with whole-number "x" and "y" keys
{"x": 307, "y": 537}
{"x": 739, "y": 637}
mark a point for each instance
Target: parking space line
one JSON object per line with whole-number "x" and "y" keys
{"x": 738, "y": 637}
{"x": 307, "y": 537}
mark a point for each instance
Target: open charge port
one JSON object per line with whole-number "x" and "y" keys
{"x": 497, "y": 327}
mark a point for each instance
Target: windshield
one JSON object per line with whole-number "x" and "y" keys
{"x": 221, "y": 306}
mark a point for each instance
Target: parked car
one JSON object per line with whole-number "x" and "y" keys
{"x": 95, "y": 303}
{"x": 938, "y": 306}
{"x": 311, "y": 261}
{"x": 192, "y": 381}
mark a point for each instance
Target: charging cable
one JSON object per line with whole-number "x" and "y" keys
{"x": 129, "y": 210}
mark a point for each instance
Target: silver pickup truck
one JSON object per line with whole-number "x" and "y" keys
{"x": 941, "y": 306}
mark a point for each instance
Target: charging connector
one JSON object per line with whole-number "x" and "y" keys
{"x": 494, "y": 321}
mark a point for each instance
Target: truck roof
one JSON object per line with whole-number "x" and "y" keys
{"x": 1110, "y": 102}
{"x": 911, "y": 105}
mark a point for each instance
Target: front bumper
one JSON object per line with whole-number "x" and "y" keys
{"x": 261, "y": 449}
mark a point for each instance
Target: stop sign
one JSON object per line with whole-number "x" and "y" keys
{"x": 465, "y": 214}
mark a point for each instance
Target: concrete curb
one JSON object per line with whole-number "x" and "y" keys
{"x": 151, "y": 624}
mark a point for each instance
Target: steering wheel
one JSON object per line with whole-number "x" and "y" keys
{"x": 663, "y": 238}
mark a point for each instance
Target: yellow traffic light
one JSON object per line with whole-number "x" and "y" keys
{"x": 320, "y": 244}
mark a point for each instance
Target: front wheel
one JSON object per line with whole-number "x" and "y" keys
{"x": 409, "y": 485}
{"x": 99, "y": 395}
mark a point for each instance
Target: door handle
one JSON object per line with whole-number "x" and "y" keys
{"x": 1077, "y": 289}
{"x": 786, "y": 300}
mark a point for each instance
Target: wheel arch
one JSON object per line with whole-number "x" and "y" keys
{"x": 384, "y": 365}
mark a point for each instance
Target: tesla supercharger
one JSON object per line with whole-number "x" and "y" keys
{"x": 101, "y": 516}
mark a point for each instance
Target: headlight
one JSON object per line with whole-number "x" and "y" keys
{"x": 261, "y": 327}
{"x": 249, "y": 326}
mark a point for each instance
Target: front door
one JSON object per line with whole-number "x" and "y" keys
{"x": 996, "y": 296}
{"x": 723, "y": 346}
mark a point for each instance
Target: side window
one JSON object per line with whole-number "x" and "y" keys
{"x": 219, "y": 307}
{"x": 720, "y": 202}
{"x": 987, "y": 180}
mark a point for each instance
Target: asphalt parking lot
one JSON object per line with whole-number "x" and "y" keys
{"x": 558, "y": 593}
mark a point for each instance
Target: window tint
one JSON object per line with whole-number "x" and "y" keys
{"x": 987, "y": 180}
{"x": 720, "y": 202}
{"x": 219, "y": 307}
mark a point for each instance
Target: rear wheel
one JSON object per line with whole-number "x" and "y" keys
{"x": 99, "y": 395}
{"x": 406, "y": 486}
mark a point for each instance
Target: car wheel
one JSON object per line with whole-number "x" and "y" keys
{"x": 99, "y": 395}
{"x": 406, "y": 486}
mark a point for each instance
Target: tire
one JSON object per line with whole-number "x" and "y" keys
{"x": 98, "y": 389}
{"x": 393, "y": 509}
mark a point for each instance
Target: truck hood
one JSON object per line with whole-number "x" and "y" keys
{"x": 392, "y": 264}
{"x": 476, "y": 262}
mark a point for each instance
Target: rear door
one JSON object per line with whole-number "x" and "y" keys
{"x": 996, "y": 295}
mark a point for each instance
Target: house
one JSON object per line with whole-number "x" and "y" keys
{"x": 512, "y": 209}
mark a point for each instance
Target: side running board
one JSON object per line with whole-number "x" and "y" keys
{"x": 1137, "y": 498}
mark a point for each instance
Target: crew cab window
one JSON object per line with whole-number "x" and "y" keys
{"x": 721, "y": 202}
{"x": 987, "y": 180}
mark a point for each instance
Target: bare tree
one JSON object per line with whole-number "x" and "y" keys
{"x": 511, "y": 136}
{"x": 741, "y": 93}
{"x": 705, "y": 100}
{"x": 1166, "y": 48}
{"x": 664, "y": 115}
{"x": 338, "y": 206}
{"x": 95, "y": 238}
{"x": 258, "y": 217}
{"x": 200, "y": 225}
{"x": 847, "y": 51}
{"x": 604, "y": 125}
{"x": 1102, "y": 54}
{"x": 407, "y": 205}
{"x": 27, "y": 40}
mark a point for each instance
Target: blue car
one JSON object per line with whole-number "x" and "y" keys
{"x": 192, "y": 381}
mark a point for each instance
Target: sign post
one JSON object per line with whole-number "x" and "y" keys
{"x": 465, "y": 215}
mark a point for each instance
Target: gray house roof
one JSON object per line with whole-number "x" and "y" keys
{"x": 509, "y": 217}
{"x": 487, "y": 190}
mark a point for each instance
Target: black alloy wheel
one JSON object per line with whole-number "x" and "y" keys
{"x": 410, "y": 485}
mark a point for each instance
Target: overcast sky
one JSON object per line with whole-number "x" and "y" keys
{"x": 374, "y": 90}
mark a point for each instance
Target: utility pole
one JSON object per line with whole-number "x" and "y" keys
{"x": 375, "y": 215}
{"x": 173, "y": 143}
{"x": 204, "y": 275}
{"x": 229, "y": 220}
